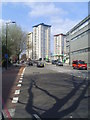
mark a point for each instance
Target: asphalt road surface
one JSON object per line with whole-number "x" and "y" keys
{"x": 48, "y": 93}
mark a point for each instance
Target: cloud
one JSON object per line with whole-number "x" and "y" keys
{"x": 60, "y": 25}
{"x": 46, "y": 10}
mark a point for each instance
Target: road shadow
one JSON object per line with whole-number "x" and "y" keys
{"x": 55, "y": 111}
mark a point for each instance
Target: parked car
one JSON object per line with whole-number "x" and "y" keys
{"x": 59, "y": 63}
{"x": 40, "y": 64}
{"x": 79, "y": 64}
{"x": 54, "y": 61}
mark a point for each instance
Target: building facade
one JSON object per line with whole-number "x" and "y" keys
{"x": 77, "y": 40}
{"x": 41, "y": 41}
{"x": 29, "y": 50}
{"x": 59, "y": 46}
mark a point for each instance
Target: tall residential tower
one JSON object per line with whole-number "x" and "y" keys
{"x": 41, "y": 41}
{"x": 59, "y": 46}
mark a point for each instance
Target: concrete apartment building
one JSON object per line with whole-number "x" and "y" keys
{"x": 29, "y": 51}
{"x": 77, "y": 40}
{"x": 59, "y": 46}
{"x": 41, "y": 41}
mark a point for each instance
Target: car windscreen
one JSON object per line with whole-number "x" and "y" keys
{"x": 81, "y": 62}
{"x": 59, "y": 61}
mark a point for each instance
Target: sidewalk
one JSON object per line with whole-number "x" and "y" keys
{"x": 8, "y": 78}
{"x": 9, "y": 81}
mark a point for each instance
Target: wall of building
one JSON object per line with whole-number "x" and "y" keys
{"x": 59, "y": 46}
{"x": 77, "y": 46}
{"x": 29, "y": 45}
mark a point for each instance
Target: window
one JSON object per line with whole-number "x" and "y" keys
{"x": 80, "y": 51}
{"x": 82, "y": 26}
{"x": 81, "y": 35}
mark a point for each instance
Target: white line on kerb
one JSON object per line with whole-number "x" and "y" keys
{"x": 21, "y": 76}
{"x": 17, "y": 92}
{"x": 19, "y": 85}
{"x": 20, "y": 81}
{"x": 15, "y": 100}
{"x": 11, "y": 111}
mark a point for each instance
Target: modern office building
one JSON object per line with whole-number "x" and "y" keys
{"x": 59, "y": 46}
{"x": 29, "y": 50}
{"x": 41, "y": 41}
{"x": 77, "y": 42}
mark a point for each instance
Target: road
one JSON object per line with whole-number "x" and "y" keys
{"x": 52, "y": 92}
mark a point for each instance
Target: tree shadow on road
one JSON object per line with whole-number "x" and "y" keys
{"x": 54, "y": 112}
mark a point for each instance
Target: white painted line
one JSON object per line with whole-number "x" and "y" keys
{"x": 17, "y": 92}
{"x": 36, "y": 116}
{"x": 70, "y": 116}
{"x": 19, "y": 85}
{"x": 20, "y": 81}
{"x": 15, "y": 100}
{"x": 21, "y": 78}
{"x": 22, "y": 74}
{"x": 12, "y": 112}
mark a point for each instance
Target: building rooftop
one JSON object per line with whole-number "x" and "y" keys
{"x": 60, "y": 34}
{"x": 42, "y": 24}
{"x": 30, "y": 33}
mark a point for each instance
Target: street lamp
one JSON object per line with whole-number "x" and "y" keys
{"x": 6, "y": 55}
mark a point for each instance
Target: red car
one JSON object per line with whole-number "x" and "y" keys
{"x": 79, "y": 64}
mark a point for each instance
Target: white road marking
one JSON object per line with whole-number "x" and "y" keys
{"x": 15, "y": 100}
{"x": 19, "y": 85}
{"x": 11, "y": 111}
{"x": 36, "y": 116}
{"x": 17, "y": 92}
{"x": 70, "y": 116}
{"x": 21, "y": 78}
{"x": 20, "y": 81}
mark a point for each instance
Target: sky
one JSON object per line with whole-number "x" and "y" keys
{"x": 62, "y": 16}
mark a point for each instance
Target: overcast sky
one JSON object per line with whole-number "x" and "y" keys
{"x": 62, "y": 16}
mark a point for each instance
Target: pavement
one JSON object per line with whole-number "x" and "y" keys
{"x": 9, "y": 81}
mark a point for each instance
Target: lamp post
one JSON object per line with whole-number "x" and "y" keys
{"x": 6, "y": 55}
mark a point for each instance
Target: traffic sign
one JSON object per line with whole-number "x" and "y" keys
{"x": 6, "y": 55}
